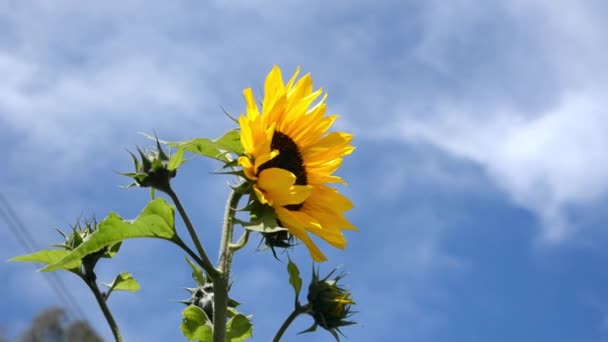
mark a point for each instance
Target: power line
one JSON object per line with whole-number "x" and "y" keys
{"x": 25, "y": 239}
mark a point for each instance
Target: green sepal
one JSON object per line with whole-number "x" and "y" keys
{"x": 230, "y": 116}
{"x": 64, "y": 235}
{"x": 238, "y": 173}
{"x": 312, "y": 328}
{"x": 176, "y": 160}
{"x": 155, "y": 221}
{"x": 231, "y": 164}
{"x": 263, "y": 219}
{"x": 196, "y": 326}
{"x": 197, "y": 273}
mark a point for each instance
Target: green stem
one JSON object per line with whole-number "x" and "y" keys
{"x": 222, "y": 281}
{"x": 104, "y": 308}
{"x": 241, "y": 243}
{"x": 296, "y": 312}
{"x": 179, "y": 242}
{"x": 206, "y": 263}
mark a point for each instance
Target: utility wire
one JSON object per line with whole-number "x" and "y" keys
{"x": 25, "y": 239}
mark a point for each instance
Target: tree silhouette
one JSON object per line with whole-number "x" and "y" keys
{"x": 51, "y": 325}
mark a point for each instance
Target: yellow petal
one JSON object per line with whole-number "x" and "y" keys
{"x": 275, "y": 178}
{"x": 329, "y": 218}
{"x": 324, "y": 196}
{"x": 273, "y": 87}
{"x": 264, "y": 158}
{"x": 295, "y": 227}
{"x": 246, "y": 134}
{"x": 293, "y": 79}
{"x": 261, "y": 195}
{"x": 248, "y": 168}
{"x": 296, "y": 194}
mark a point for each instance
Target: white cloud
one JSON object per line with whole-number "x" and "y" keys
{"x": 548, "y": 157}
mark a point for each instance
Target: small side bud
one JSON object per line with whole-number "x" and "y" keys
{"x": 202, "y": 297}
{"x": 152, "y": 169}
{"x": 330, "y": 303}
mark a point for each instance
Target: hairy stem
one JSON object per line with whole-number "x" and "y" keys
{"x": 241, "y": 243}
{"x": 206, "y": 263}
{"x": 296, "y": 312}
{"x": 104, "y": 307}
{"x": 222, "y": 281}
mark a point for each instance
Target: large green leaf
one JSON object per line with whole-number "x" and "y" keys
{"x": 239, "y": 328}
{"x": 123, "y": 282}
{"x": 194, "y": 325}
{"x": 48, "y": 257}
{"x": 231, "y": 141}
{"x": 155, "y": 221}
{"x": 216, "y": 149}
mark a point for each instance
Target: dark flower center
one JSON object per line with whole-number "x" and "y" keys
{"x": 289, "y": 159}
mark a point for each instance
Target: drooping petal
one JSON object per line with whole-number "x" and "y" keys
{"x": 296, "y": 228}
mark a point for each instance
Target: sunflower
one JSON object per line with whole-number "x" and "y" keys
{"x": 290, "y": 157}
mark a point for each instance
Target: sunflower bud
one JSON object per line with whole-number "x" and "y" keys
{"x": 202, "y": 297}
{"x": 81, "y": 232}
{"x": 153, "y": 170}
{"x": 330, "y": 304}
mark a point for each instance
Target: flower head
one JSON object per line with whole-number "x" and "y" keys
{"x": 290, "y": 158}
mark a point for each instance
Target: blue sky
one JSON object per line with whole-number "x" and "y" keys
{"x": 479, "y": 177}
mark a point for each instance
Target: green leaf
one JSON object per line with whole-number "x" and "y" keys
{"x": 155, "y": 221}
{"x": 194, "y": 324}
{"x": 197, "y": 273}
{"x": 231, "y": 142}
{"x": 176, "y": 160}
{"x": 50, "y": 256}
{"x": 294, "y": 278}
{"x": 239, "y": 328}
{"x": 231, "y": 311}
{"x": 216, "y": 149}
{"x": 113, "y": 250}
{"x": 123, "y": 282}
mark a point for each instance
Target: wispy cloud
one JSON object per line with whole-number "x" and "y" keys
{"x": 543, "y": 146}
{"x": 448, "y": 92}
